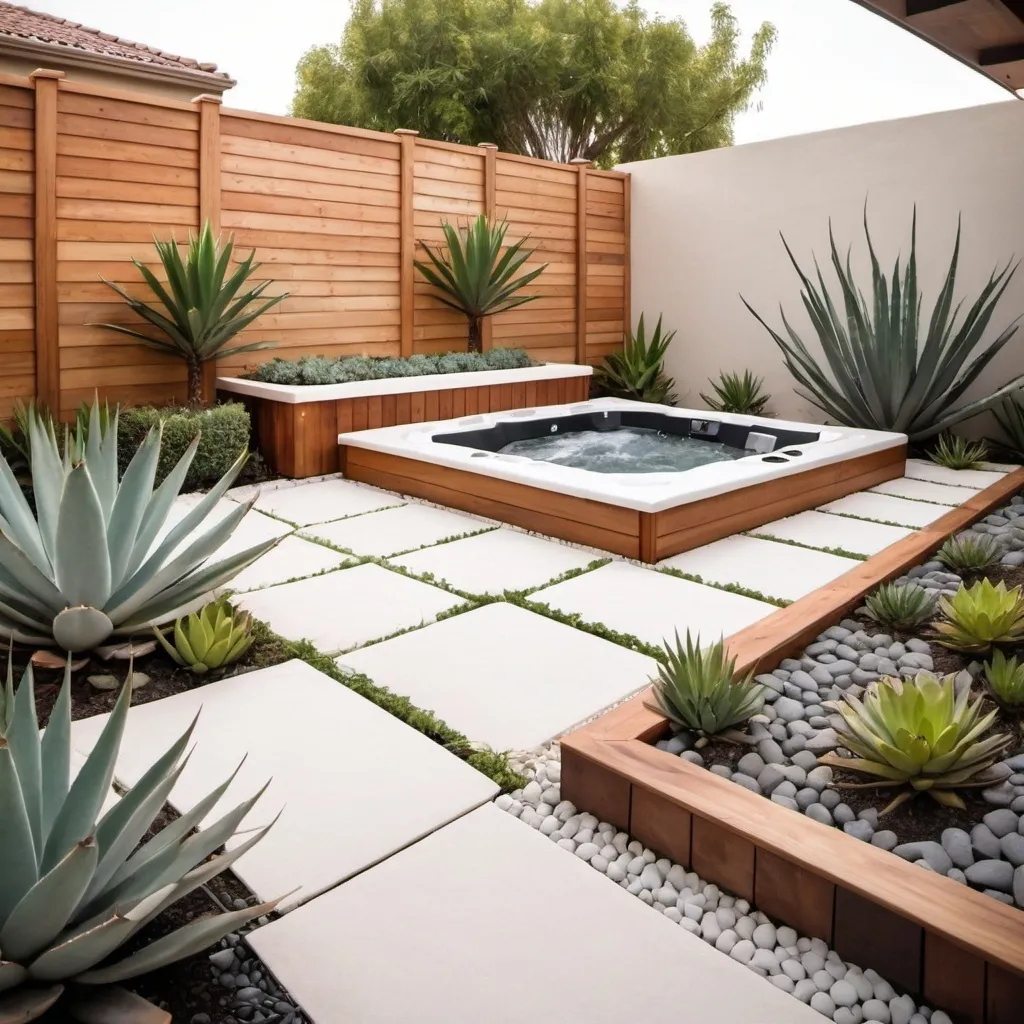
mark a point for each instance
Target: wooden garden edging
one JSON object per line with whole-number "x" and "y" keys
{"x": 958, "y": 949}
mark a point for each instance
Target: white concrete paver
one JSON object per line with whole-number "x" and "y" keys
{"x": 781, "y": 571}
{"x": 652, "y": 605}
{"x": 888, "y": 509}
{"x": 486, "y": 892}
{"x": 343, "y": 609}
{"x": 926, "y": 490}
{"x": 505, "y": 676}
{"x": 355, "y": 783}
{"x": 923, "y": 469}
{"x": 318, "y": 502}
{"x": 491, "y": 563}
{"x": 292, "y": 559}
{"x": 824, "y": 530}
{"x": 397, "y": 529}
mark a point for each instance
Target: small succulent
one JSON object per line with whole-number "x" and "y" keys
{"x": 977, "y": 617}
{"x": 956, "y": 452}
{"x": 638, "y": 371}
{"x": 920, "y": 734}
{"x": 900, "y": 605}
{"x": 1005, "y": 679}
{"x": 969, "y": 552}
{"x": 734, "y": 393}
{"x": 77, "y": 883}
{"x": 699, "y": 690}
{"x": 215, "y": 637}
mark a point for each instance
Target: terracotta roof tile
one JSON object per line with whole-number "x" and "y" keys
{"x": 22, "y": 23}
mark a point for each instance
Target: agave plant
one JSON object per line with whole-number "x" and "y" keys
{"x": 920, "y": 734}
{"x": 969, "y": 552}
{"x": 699, "y": 690}
{"x": 900, "y": 606}
{"x": 1005, "y": 679}
{"x": 215, "y": 637}
{"x": 202, "y": 307}
{"x": 734, "y": 393}
{"x": 978, "y": 617}
{"x": 637, "y": 371}
{"x": 92, "y": 561}
{"x": 879, "y": 374}
{"x": 955, "y": 452}
{"x": 75, "y": 883}
{"x": 1010, "y": 416}
{"x": 476, "y": 278}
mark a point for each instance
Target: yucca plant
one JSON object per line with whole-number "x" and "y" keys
{"x": 969, "y": 552}
{"x": 215, "y": 637}
{"x": 734, "y": 393}
{"x": 92, "y": 560}
{"x": 75, "y": 883}
{"x": 886, "y": 371}
{"x": 900, "y": 606}
{"x": 1010, "y": 416}
{"x": 1005, "y": 679}
{"x": 637, "y": 371}
{"x": 203, "y": 308}
{"x": 978, "y": 617}
{"x": 476, "y": 278}
{"x": 955, "y": 452}
{"x": 921, "y": 734}
{"x": 699, "y": 690}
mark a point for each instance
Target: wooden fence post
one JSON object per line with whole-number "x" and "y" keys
{"x": 47, "y": 335}
{"x": 208, "y": 106}
{"x": 627, "y": 281}
{"x": 490, "y": 212}
{"x": 581, "y": 259}
{"x": 407, "y": 240}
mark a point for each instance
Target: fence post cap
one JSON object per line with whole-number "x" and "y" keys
{"x": 46, "y": 73}
{"x": 207, "y": 97}
{"x": 486, "y": 145}
{"x": 580, "y": 160}
{"x": 405, "y": 131}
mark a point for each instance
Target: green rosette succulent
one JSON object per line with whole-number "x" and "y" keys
{"x": 900, "y": 605}
{"x": 978, "y": 617}
{"x": 215, "y": 637}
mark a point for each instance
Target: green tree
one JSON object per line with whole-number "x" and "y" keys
{"x": 557, "y": 79}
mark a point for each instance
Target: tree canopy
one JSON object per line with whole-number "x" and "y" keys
{"x": 556, "y": 78}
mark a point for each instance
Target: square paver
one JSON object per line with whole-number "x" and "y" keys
{"x": 397, "y": 529}
{"x": 449, "y": 916}
{"x": 886, "y": 508}
{"x": 824, "y": 530}
{"x": 923, "y": 469}
{"x": 926, "y": 490}
{"x": 353, "y": 783}
{"x": 254, "y": 527}
{"x": 652, "y": 605}
{"x": 491, "y": 563}
{"x": 292, "y": 559}
{"x": 781, "y": 571}
{"x": 505, "y": 676}
{"x": 343, "y": 609}
{"x": 318, "y": 502}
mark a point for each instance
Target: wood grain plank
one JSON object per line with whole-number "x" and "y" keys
{"x": 722, "y": 857}
{"x": 48, "y": 382}
{"x": 954, "y": 980}
{"x": 659, "y": 824}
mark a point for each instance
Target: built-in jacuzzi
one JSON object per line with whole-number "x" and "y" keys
{"x": 640, "y": 480}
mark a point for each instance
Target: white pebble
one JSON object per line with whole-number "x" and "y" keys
{"x": 764, "y": 936}
{"x": 585, "y": 851}
{"x": 794, "y": 969}
{"x": 726, "y": 916}
{"x": 588, "y": 821}
{"x": 567, "y": 844}
{"x": 726, "y": 941}
{"x": 693, "y": 912}
{"x": 766, "y": 960}
{"x": 786, "y": 936}
{"x": 673, "y": 914}
{"x": 598, "y": 862}
{"x": 710, "y": 928}
{"x": 812, "y": 962}
{"x": 570, "y": 826}
{"x": 504, "y": 802}
{"x": 843, "y": 993}
{"x": 549, "y": 825}
{"x": 690, "y": 926}
{"x": 648, "y": 856}
{"x": 875, "y": 1009}
{"x": 743, "y": 951}
{"x": 804, "y": 990}
{"x": 616, "y": 872}
{"x": 650, "y": 878}
{"x": 745, "y": 927}
{"x": 941, "y": 1017}
{"x": 822, "y": 1002}
{"x": 782, "y": 981}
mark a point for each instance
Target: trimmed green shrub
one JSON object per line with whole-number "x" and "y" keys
{"x": 225, "y": 430}
{"x": 321, "y": 370}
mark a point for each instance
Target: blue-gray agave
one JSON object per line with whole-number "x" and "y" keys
{"x": 75, "y": 883}
{"x": 91, "y": 562}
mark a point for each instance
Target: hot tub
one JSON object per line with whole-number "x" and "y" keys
{"x": 629, "y": 477}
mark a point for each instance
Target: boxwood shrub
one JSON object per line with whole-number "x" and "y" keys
{"x": 225, "y": 430}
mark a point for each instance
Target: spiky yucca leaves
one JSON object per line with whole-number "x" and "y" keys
{"x": 637, "y": 371}
{"x": 1010, "y": 416}
{"x": 879, "y": 374}
{"x": 94, "y": 559}
{"x": 203, "y": 308}
{"x": 977, "y": 617}
{"x": 969, "y": 552}
{"x": 75, "y": 883}
{"x": 900, "y": 606}
{"x": 699, "y": 690}
{"x": 918, "y": 733}
{"x": 956, "y": 452}
{"x": 476, "y": 278}
{"x": 215, "y": 637}
{"x": 734, "y": 393}
{"x": 1005, "y": 679}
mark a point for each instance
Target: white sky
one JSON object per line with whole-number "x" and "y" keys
{"x": 834, "y": 63}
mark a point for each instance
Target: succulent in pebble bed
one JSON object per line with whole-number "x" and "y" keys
{"x": 900, "y": 606}
{"x": 969, "y": 552}
{"x": 1005, "y": 679}
{"x": 977, "y": 617}
{"x": 956, "y": 452}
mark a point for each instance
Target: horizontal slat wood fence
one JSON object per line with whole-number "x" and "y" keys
{"x": 88, "y": 177}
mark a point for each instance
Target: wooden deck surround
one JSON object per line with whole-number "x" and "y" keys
{"x": 648, "y": 536}
{"x": 956, "y": 948}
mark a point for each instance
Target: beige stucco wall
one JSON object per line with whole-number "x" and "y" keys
{"x": 705, "y": 228}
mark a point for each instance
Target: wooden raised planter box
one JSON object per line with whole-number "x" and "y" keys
{"x": 297, "y": 426}
{"x": 955, "y": 948}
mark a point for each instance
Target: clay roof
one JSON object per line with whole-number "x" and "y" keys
{"x": 35, "y": 26}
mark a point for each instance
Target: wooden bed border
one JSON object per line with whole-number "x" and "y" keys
{"x": 958, "y": 949}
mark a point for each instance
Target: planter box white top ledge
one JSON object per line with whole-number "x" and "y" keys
{"x": 296, "y": 394}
